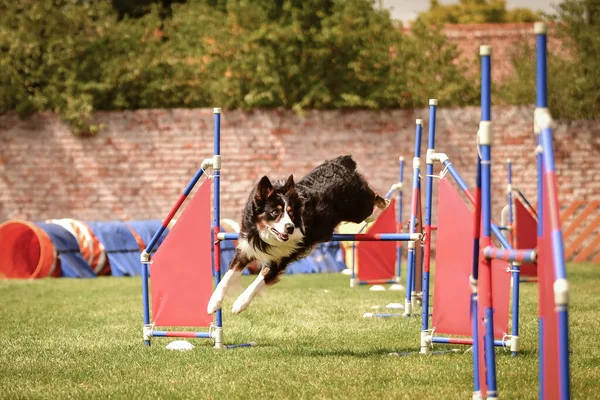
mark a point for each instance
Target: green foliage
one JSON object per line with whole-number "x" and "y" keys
{"x": 434, "y": 70}
{"x": 573, "y": 78}
{"x": 75, "y": 57}
{"x": 312, "y": 54}
{"x": 475, "y": 12}
{"x": 40, "y": 43}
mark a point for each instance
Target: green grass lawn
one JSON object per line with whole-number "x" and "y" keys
{"x": 64, "y": 338}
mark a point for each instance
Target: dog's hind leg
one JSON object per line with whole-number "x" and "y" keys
{"x": 239, "y": 262}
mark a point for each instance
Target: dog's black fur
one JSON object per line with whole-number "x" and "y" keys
{"x": 331, "y": 193}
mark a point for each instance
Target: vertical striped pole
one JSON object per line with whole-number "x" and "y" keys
{"x": 485, "y": 273}
{"x": 145, "y": 300}
{"x": 541, "y": 104}
{"x": 411, "y": 257}
{"x": 543, "y": 122}
{"x": 474, "y": 278}
{"x": 510, "y": 202}
{"x": 515, "y": 266}
{"x": 427, "y": 225}
{"x": 399, "y": 222}
{"x": 353, "y": 270}
{"x": 217, "y": 219}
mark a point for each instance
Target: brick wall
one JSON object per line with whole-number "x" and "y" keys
{"x": 502, "y": 38}
{"x": 140, "y": 163}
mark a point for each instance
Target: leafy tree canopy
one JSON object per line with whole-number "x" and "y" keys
{"x": 573, "y": 73}
{"x": 476, "y": 12}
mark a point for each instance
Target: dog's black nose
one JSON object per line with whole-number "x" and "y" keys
{"x": 289, "y": 228}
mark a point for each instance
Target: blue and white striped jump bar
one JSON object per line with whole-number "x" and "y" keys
{"x": 350, "y": 237}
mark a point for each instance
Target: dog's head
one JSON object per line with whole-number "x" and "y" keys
{"x": 277, "y": 210}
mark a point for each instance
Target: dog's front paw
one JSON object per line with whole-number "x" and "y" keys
{"x": 214, "y": 303}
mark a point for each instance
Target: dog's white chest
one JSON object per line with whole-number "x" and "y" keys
{"x": 275, "y": 253}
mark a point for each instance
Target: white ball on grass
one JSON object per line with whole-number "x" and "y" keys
{"x": 180, "y": 345}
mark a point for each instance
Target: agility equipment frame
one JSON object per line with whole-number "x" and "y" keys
{"x": 216, "y": 328}
{"x": 553, "y": 290}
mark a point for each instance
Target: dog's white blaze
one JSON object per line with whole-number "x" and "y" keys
{"x": 246, "y": 297}
{"x": 283, "y": 221}
{"x": 218, "y": 295}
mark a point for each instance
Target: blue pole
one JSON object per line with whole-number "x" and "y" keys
{"x": 427, "y": 225}
{"x": 509, "y": 194}
{"x": 411, "y": 259}
{"x": 515, "y": 267}
{"x": 485, "y": 141}
{"x": 541, "y": 102}
{"x": 217, "y": 205}
{"x": 145, "y": 298}
{"x": 475, "y": 277}
{"x": 558, "y": 258}
{"x": 541, "y": 78}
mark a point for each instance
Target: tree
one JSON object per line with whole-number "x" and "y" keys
{"x": 75, "y": 57}
{"x": 475, "y": 12}
{"x": 573, "y": 75}
{"x": 40, "y": 42}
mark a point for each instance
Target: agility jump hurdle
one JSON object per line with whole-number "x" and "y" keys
{"x": 182, "y": 271}
{"x": 379, "y": 266}
{"x": 454, "y": 257}
{"x": 553, "y": 292}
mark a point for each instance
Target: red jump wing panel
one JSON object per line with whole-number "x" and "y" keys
{"x": 181, "y": 272}
{"x": 525, "y": 235}
{"x": 377, "y": 260}
{"x": 453, "y": 266}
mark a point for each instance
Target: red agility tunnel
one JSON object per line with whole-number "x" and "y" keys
{"x": 26, "y": 251}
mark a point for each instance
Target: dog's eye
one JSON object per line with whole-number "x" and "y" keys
{"x": 274, "y": 213}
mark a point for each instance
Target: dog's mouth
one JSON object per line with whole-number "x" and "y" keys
{"x": 284, "y": 237}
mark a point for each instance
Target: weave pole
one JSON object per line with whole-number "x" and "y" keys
{"x": 515, "y": 266}
{"x": 553, "y": 310}
{"x": 427, "y": 225}
{"x": 509, "y": 196}
{"x": 217, "y": 220}
{"x": 474, "y": 279}
{"x": 485, "y": 274}
{"x": 412, "y": 256}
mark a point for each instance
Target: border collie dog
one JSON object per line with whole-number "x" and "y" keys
{"x": 284, "y": 220}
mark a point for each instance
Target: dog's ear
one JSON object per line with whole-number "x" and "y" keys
{"x": 289, "y": 184}
{"x": 263, "y": 189}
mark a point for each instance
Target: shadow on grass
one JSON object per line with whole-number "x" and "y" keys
{"x": 366, "y": 353}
